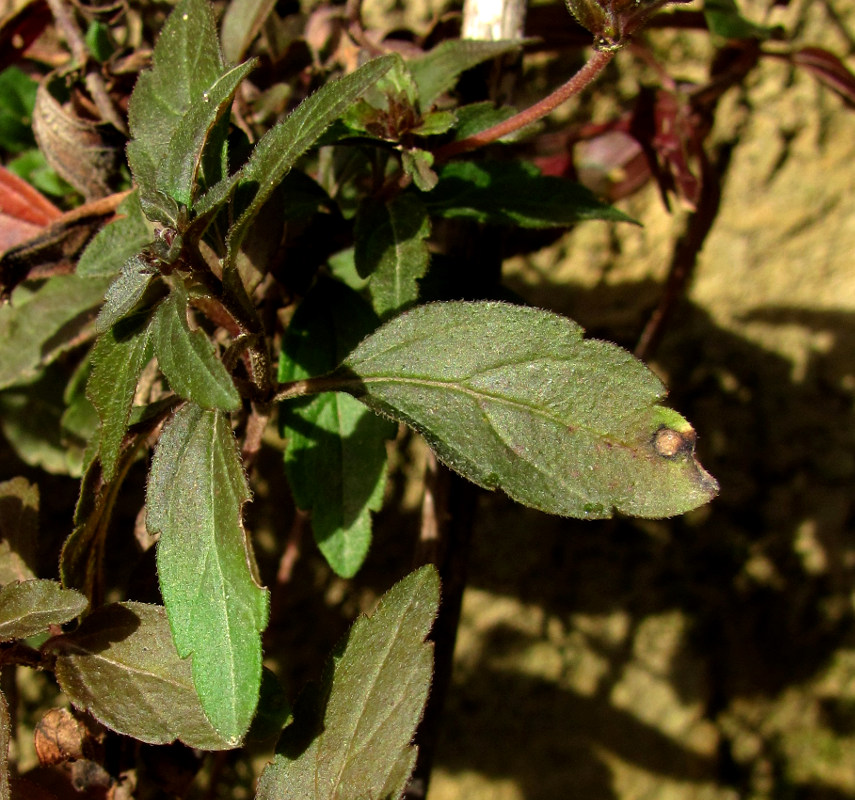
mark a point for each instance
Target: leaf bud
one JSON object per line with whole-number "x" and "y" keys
{"x": 613, "y": 21}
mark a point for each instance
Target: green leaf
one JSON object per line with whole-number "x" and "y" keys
{"x": 117, "y": 363}
{"x": 81, "y": 560}
{"x": 33, "y": 606}
{"x": 121, "y": 666}
{"x": 279, "y": 149}
{"x": 99, "y": 42}
{"x": 373, "y": 696}
{"x": 17, "y": 100}
{"x": 215, "y": 604}
{"x": 335, "y": 459}
{"x": 437, "y": 71}
{"x": 79, "y": 423}
{"x": 31, "y": 420}
{"x": 274, "y": 710}
{"x": 435, "y": 123}
{"x": 379, "y": 111}
{"x": 477, "y": 117}
{"x": 188, "y": 359}
{"x": 296, "y": 197}
{"x": 724, "y": 19}
{"x": 178, "y": 172}
{"x": 342, "y": 265}
{"x": 513, "y": 398}
{"x": 391, "y": 247}
{"x": 514, "y": 193}
{"x": 19, "y": 523}
{"x": 418, "y": 164}
{"x": 186, "y": 62}
{"x": 125, "y": 292}
{"x": 32, "y": 166}
{"x": 117, "y": 241}
{"x": 38, "y": 325}
{"x": 5, "y": 738}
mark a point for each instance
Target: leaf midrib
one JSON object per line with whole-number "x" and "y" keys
{"x": 391, "y": 641}
{"x": 133, "y": 670}
{"x": 454, "y": 386}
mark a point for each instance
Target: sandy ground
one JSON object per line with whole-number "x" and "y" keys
{"x": 712, "y": 656}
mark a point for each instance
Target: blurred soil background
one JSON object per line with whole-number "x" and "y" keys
{"x": 710, "y": 657}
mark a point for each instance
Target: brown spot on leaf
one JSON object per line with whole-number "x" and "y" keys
{"x": 669, "y": 443}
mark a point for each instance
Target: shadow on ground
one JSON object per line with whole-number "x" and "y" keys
{"x": 755, "y": 588}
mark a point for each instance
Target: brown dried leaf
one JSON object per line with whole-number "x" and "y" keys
{"x": 74, "y": 146}
{"x": 19, "y": 200}
{"x": 59, "y": 737}
{"x": 54, "y": 250}
{"x": 19, "y": 29}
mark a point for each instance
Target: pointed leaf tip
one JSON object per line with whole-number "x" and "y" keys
{"x": 122, "y": 667}
{"x": 514, "y": 398}
{"x": 375, "y": 689}
{"x": 216, "y": 607}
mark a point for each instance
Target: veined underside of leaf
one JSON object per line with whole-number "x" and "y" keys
{"x": 121, "y": 665}
{"x": 514, "y": 398}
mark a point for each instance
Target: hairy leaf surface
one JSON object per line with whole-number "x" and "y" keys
{"x": 187, "y": 358}
{"x": 31, "y": 607}
{"x": 437, "y": 71}
{"x": 335, "y": 458}
{"x": 118, "y": 360}
{"x": 373, "y": 696}
{"x": 186, "y": 62}
{"x": 178, "y": 173}
{"x": 278, "y": 150}
{"x": 391, "y": 247}
{"x": 118, "y": 240}
{"x": 125, "y": 292}
{"x": 122, "y": 667}
{"x": 5, "y": 737}
{"x": 207, "y": 577}
{"x": 513, "y": 398}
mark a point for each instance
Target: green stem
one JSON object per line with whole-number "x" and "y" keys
{"x": 583, "y": 78}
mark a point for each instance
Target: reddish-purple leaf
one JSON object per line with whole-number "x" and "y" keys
{"x": 828, "y": 69}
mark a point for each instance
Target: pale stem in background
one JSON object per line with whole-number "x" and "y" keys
{"x": 493, "y": 20}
